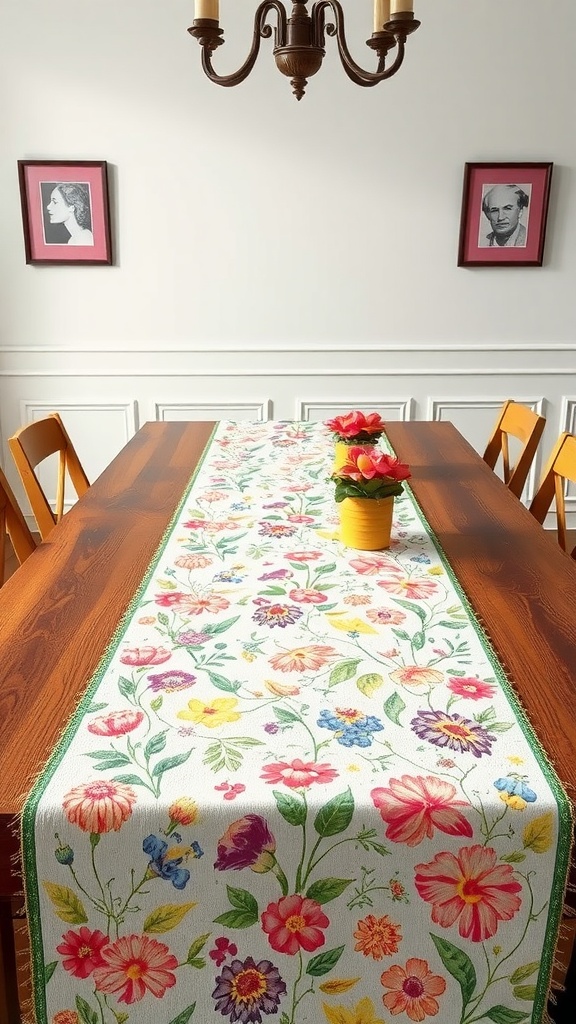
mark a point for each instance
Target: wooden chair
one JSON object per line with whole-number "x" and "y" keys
{"x": 561, "y": 467}
{"x": 13, "y": 525}
{"x": 30, "y": 446}
{"x": 525, "y": 425}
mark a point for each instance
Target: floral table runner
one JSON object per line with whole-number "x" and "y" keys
{"x": 298, "y": 788}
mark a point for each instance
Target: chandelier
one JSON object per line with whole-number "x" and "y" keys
{"x": 299, "y": 39}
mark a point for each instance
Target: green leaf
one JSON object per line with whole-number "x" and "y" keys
{"x": 369, "y": 683}
{"x": 170, "y": 762}
{"x": 343, "y": 671}
{"x": 418, "y": 641}
{"x": 521, "y": 973}
{"x": 165, "y": 918}
{"x": 236, "y": 919}
{"x": 222, "y": 683}
{"x": 108, "y": 755}
{"x": 458, "y": 964}
{"x": 86, "y": 1015}
{"x": 130, "y": 780}
{"x": 185, "y": 1016}
{"x": 126, "y": 686}
{"x": 335, "y": 816}
{"x": 49, "y": 971}
{"x": 92, "y": 708}
{"x": 326, "y": 889}
{"x": 198, "y": 962}
{"x": 516, "y": 857}
{"x": 401, "y": 634}
{"x": 326, "y": 568}
{"x": 157, "y": 703}
{"x": 245, "y": 741}
{"x": 451, "y": 625}
{"x": 66, "y": 903}
{"x": 156, "y": 744}
{"x": 284, "y": 715}
{"x": 527, "y": 992}
{"x": 163, "y": 618}
{"x": 500, "y": 726}
{"x": 273, "y": 591}
{"x": 504, "y": 1015}
{"x": 324, "y": 962}
{"x": 197, "y": 946}
{"x": 214, "y": 628}
{"x": 410, "y": 607}
{"x": 394, "y": 707}
{"x": 291, "y": 807}
{"x": 242, "y": 899}
{"x": 116, "y": 762}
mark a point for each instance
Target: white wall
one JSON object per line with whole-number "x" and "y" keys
{"x": 288, "y": 256}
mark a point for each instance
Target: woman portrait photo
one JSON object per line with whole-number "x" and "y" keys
{"x": 66, "y": 213}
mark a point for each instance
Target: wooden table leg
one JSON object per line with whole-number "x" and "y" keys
{"x": 9, "y": 1002}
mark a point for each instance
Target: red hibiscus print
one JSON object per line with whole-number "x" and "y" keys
{"x": 295, "y": 923}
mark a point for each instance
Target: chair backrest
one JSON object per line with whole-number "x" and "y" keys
{"x": 561, "y": 467}
{"x": 525, "y": 425}
{"x": 13, "y": 524}
{"x": 30, "y": 446}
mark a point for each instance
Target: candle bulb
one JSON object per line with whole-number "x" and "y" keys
{"x": 381, "y": 14}
{"x": 401, "y": 6}
{"x": 207, "y": 9}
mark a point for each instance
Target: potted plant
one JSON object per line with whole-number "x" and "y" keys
{"x": 354, "y": 428}
{"x": 366, "y": 485}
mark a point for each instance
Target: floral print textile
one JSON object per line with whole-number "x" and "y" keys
{"x": 298, "y": 789}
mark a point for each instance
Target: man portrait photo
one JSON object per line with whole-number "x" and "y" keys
{"x": 505, "y": 213}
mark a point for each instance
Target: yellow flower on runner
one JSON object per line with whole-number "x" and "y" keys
{"x": 218, "y": 711}
{"x": 349, "y": 625}
{"x": 362, "y": 1013}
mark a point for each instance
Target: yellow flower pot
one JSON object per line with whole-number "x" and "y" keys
{"x": 341, "y": 450}
{"x": 366, "y": 523}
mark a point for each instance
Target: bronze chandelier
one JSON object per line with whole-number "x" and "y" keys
{"x": 299, "y": 39}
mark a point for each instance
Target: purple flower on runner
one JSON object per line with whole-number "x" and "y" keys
{"x": 245, "y": 988}
{"x": 453, "y": 731}
{"x": 247, "y": 843}
{"x": 277, "y": 615}
{"x": 171, "y": 681}
{"x": 276, "y": 529}
{"x": 277, "y": 574}
{"x": 191, "y": 639}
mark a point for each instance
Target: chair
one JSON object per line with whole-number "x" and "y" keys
{"x": 13, "y": 524}
{"x": 30, "y": 446}
{"x": 561, "y": 467}
{"x": 523, "y": 424}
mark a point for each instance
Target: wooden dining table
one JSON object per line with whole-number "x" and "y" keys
{"x": 81, "y": 579}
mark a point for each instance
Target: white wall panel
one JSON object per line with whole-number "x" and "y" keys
{"x": 214, "y": 410}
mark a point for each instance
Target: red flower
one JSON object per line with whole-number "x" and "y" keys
{"x": 412, "y": 989}
{"x": 145, "y": 655}
{"x": 414, "y": 807}
{"x": 134, "y": 965}
{"x": 246, "y": 843}
{"x": 81, "y": 951}
{"x": 303, "y": 556}
{"x": 471, "y": 888}
{"x": 471, "y": 687}
{"x": 298, "y": 773}
{"x": 362, "y": 464}
{"x": 307, "y": 595}
{"x": 356, "y": 423}
{"x": 116, "y": 723}
{"x": 222, "y": 948}
{"x": 294, "y": 923}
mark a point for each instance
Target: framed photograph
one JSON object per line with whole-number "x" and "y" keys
{"x": 65, "y": 211}
{"x": 504, "y": 212}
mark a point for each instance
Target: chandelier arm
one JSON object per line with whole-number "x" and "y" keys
{"x": 261, "y": 31}
{"x": 357, "y": 74}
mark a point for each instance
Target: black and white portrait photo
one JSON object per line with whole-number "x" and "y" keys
{"x": 504, "y": 219}
{"x": 66, "y": 213}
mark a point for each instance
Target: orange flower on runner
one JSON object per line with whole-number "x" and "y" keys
{"x": 413, "y": 989}
{"x": 210, "y": 602}
{"x": 65, "y": 1017}
{"x": 417, "y": 590}
{"x": 219, "y": 711}
{"x": 357, "y": 599}
{"x": 135, "y": 965}
{"x": 377, "y": 937}
{"x": 100, "y": 806}
{"x": 472, "y": 888}
{"x": 193, "y": 561}
{"x": 416, "y": 676}
{"x": 413, "y": 807}
{"x": 303, "y": 659}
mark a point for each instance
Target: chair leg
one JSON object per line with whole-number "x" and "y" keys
{"x": 9, "y": 1001}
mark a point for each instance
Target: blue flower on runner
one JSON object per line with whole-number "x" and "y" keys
{"x": 352, "y": 727}
{"x": 165, "y": 862}
{"x": 515, "y": 792}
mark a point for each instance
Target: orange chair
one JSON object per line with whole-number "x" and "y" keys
{"x": 13, "y": 524}
{"x": 561, "y": 467}
{"x": 30, "y": 446}
{"x": 525, "y": 425}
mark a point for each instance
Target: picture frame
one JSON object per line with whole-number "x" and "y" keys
{"x": 504, "y": 214}
{"x": 65, "y": 211}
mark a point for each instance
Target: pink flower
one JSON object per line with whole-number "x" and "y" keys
{"x": 471, "y": 888}
{"x": 135, "y": 965}
{"x": 145, "y": 655}
{"x": 300, "y": 519}
{"x": 81, "y": 951}
{"x": 307, "y": 595}
{"x": 357, "y": 424}
{"x": 116, "y": 723}
{"x": 297, "y": 773}
{"x": 294, "y": 923}
{"x": 385, "y": 616}
{"x": 414, "y": 806}
{"x": 471, "y": 687}
{"x": 370, "y": 464}
{"x": 371, "y": 565}
{"x": 418, "y": 589}
{"x": 100, "y": 806}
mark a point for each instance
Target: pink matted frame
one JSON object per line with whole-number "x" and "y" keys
{"x": 529, "y": 185}
{"x": 52, "y": 243}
